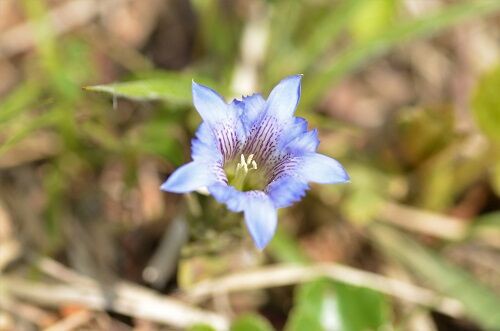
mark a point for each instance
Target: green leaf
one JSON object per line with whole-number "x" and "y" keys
{"x": 373, "y": 18}
{"x": 495, "y": 176}
{"x": 285, "y": 249}
{"x": 361, "y": 308}
{"x": 486, "y": 227}
{"x": 327, "y": 305}
{"x": 486, "y": 104}
{"x": 359, "y": 53}
{"x": 311, "y": 302}
{"x": 479, "y": 301}
{"x": 166, "y": 86}
{"x": 320, "y": 37}
{"x": 157, "y": 137}
{"x": 251, "y": 322}
{"x": 200, "y": 327}
{"x": 171, "y": 90}
{"x": 20, "y": 100}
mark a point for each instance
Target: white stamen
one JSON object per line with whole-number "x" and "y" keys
{"x": 246, "y": 165}
{"x": 242, "y": 169}
{"x": 249, "y": 160}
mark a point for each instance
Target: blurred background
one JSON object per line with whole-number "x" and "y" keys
{"x": 96, "y": 112}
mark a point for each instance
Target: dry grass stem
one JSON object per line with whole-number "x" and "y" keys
{"x": 282, "y": 275}
{"x": 423, "y": 222}
{"x": 123, "y": 298}
{"x": 72, "y": 322}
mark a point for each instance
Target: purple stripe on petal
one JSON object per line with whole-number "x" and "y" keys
{"x": 263, "y": 139}
{"x": 229, "y": 139}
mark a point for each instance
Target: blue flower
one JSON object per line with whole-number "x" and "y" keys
{"x": 254, "y": 155}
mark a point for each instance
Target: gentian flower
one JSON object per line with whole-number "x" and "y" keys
{"x": 254, "y": 155}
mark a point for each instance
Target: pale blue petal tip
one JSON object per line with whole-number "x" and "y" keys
{"x": 284, "y": 98}
{"x": 261, "y": 218}
{"x": 188, "y": 178}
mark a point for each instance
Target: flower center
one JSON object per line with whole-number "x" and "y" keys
{"x": 239, "y": 174}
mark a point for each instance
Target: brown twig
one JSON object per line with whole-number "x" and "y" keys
{"x": 72, "y": 322}
{"x": 25, "y": 311}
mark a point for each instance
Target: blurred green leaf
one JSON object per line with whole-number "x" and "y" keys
{"x": 419, "y": 133}
{"x": 327, "y": 30}
{"x": 486, "y": 104}
{"x": 487, "y": 220}
{"x": 486, "y": 228}
{"x": 315, "y": 308}
{"x": 19, "y": 100}
{"x": 373, "y": 18}
{"x": 285, "y": 249}
{"x": 327, "y": 305}
{"x": 251, "y": 322}
{"x": 366, "y": 194}
{"x": 359, "y": 53}
{"x": 219, "y": 31}
{"x": 52, "y": 53}
{"x": 495, "y": 176}
{"x": 158, "y": 138}
{"x": 361, "y": 309}
{"x": 200, "y": 327}
{"x": 447, "y": 174}
{"x": 47, "y": 119}
{"x": 323, "y": 33}
{"x": 481, "y": 304}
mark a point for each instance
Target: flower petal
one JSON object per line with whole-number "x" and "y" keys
{"x": 252, "y": 110}
{"x": 319, "y": 168}
{"x": 219, "y": 140}
{"x": 286, "y": 190}
{"x": 306, "y": 142}
{"x": 260, "y": 212}
{"x": 284, "y": 98}
{"x": 189, "y": 177}
{"x": 209, "y": 104}
{"x": 203, "y": 146}
{"x": 261, "y": 217}
{"x": 223, "y": 193}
